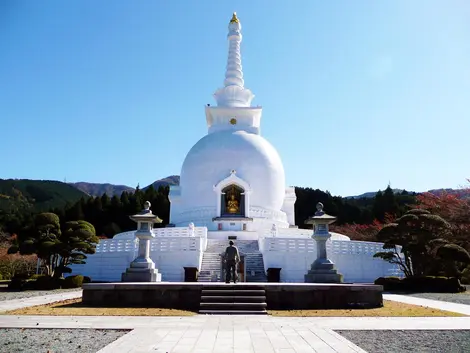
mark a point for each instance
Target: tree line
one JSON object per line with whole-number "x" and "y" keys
{"x": 110, "y": 215}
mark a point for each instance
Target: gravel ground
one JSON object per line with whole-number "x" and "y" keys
{"x": 460, "y": 298}
{"x": 6, "y": 295}
{"x": 56, "y": 340}
{"x": 419, "y": 341}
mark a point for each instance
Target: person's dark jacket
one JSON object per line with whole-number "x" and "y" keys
{"x": 231, "y": 253}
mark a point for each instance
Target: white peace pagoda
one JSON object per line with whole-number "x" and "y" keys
{"x": 232, "y": 186}
{"x": 232, "y": 180}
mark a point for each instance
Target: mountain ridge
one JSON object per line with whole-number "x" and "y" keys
{"x": 170, "y": 180}
{"x": 98, "y": 189}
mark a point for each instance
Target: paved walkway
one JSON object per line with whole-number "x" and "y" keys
{"x": 7, "y": 305}
{"x": 435, "y": 304}
{"x": 203, "y": 333}
{"x": 219, "y": 333}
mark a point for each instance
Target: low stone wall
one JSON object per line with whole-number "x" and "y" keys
{"x": 323, "y": 296}
{"x": 152, "y": 295}
{"x": 279, "y": 296}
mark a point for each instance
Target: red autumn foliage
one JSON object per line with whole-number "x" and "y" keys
{"x": 454, "y": 208}
{"x": 362, "y": 232}
{"x": 11, "y": 264}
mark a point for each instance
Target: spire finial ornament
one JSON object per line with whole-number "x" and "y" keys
{"x": 234, "y": 18}
{"x": 234, "y": 93}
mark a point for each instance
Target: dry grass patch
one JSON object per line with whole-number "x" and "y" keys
{"x": 75, "y": 307}
{"x": 390, "y": 308}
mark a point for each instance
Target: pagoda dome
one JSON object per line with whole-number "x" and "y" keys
{"x": 250, "y": 156}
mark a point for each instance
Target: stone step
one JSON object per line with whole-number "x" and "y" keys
{"x": 233, "y": 299}
{"x": 233, "y": 292}
{"x": 232, "y": 306}
{"x": 233, "y": 312}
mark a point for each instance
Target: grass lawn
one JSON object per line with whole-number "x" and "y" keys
{"x": 74, "y": 307}
{"x": 390, "y": 308}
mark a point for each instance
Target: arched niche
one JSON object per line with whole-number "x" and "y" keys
{"x": 223, "y": 195}
{"x": 232, "y": 201}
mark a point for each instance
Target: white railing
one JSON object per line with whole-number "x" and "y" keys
{"x": 200, "y": 232}
{"x": 309, "y": 245}
{"x": 288, "y": 232}
{"x": 354, "y": 259}
{"x": 175, "y": 245}
{"x": 170, "y": 254}
{"x": 207, "y": 213}
{"x": 258, "y": 212}
{"x": 116, "y": 245}
{"x": 156, "y": 244}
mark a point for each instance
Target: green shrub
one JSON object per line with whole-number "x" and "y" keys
{"x": 21, "y": 275}
{"x": 73, "y": 281}
{"x": 421, "y": 284}
{"x": 1, "y": 277}
{"x": 46, "y": 283}
{"x": 17, "y": 284}
{"x": 389, "y": 283}
{"x": 86, "y": 279}
{"x": 36, "y": 276}
{"x": 465, "y": 276}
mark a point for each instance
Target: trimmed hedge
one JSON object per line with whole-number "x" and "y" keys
{"x": 47, "y": 283}
{"x": 23, "y": 282}
{"x": 73, "y": 281}
{"x": 425, "y": 284}
{"x": 18, "y": 284}
{"x": 466, "y": 276}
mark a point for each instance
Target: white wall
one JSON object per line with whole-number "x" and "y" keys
{"x": 353, "y": 259}
{"x": 170, "y": 255}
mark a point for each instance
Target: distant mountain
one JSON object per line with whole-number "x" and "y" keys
{"x": 371, "y": 194}
{"x": 97, "y": 189}
{"x": 170, "y": 180}
{"x": 464, "y": 193}
{"x": 36, "y": 195}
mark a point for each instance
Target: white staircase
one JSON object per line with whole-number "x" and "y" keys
{"x": 210, "y": 265}
{"x": 210, "y": 268}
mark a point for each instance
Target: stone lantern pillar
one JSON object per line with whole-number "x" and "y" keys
{"x": 142, "y": 269}
{"x": 322, "y": 269}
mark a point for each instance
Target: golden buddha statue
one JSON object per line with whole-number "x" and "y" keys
{"x": 232, "y": 205}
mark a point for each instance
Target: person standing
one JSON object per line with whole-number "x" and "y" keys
{"x": 232, "y": 258}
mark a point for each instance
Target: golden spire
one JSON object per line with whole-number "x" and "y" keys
{"x": 234, "y": 18}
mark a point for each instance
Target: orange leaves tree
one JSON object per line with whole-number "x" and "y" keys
{"x": 454, "y": 207}
{"x": 11, "y": 264}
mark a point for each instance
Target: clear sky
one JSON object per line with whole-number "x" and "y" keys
{"x": 355, "y": 94}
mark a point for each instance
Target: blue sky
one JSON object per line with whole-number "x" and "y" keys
{"x": 355, "y": 94}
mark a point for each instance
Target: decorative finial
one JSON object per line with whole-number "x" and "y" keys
{"x": 233, "y": 171}
{"x": 147, "y": 205}
{"x": 319, "y": 209}
{"x": 234, "y": 18}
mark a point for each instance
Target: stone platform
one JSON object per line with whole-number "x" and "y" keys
{"x": 279, "y": 296}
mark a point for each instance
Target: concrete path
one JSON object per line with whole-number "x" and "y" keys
{"x": 7, "y": 305}
{"x": 239, "y": 340}
{"x": 219, "y": 333}
{"x": 235, "y": 322}
{"x": 435, "y": 304}
{"x": 234, "y": 333}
